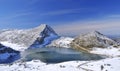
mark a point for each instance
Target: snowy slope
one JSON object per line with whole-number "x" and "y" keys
{"x": 110, "y": 51}
{"x": 14, "y": 46}
{"x": 110, "y": 64}
{"x": 62, "y": 42}
{"x": 37, "y": 65}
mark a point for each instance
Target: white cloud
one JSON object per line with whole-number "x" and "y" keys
{"x": 16, "y": 14}
{"x": 61, "y": 12}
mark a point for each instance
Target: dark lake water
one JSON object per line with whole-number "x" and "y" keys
{"x": 56, "y": 55}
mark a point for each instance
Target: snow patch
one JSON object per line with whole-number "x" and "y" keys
{"x": 109, "y": 51}
{"x": 14, "y": 46}
{"x": 110, "y": 64}
{"x": 62, "y": 42}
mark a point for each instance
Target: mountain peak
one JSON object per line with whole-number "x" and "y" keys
{"x": 92, "y": 39}
{"x": 95, "y": 31}
{"x": 42, "y": 25}
{"x": 46, "y": 36}
{"x": 39, "y": 28}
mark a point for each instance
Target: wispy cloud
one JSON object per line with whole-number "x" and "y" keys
{"x": 49, "y": 13}
{"x": 12, "y": 16}
{"x": 108, "y": 27}
{"x": 61, "y": 12}
{"x": 16, "y": 14}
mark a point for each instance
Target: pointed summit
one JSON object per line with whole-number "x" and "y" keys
{"x": 45, "y": 37}
{"x": 44, "y": 29}
{"x": 93, "y": 33}
{"x": 40, "y": 27}
{"x": 96, "y": 33}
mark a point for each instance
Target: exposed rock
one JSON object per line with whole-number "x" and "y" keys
{"x": 90, "y": 40}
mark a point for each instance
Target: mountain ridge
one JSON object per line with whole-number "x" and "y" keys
{"x": 27, "y": 37}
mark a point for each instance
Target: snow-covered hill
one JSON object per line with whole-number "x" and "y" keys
{"x": 62, "y": 42}
{"x": 92, "y": 39}
{"x": 35, "y": 37}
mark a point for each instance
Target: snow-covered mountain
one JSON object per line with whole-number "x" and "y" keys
{"x": 45, "y": 37}
{"x": 8, "y": 55}
{"x": 92, "y": 39}
{"x": 62, "y": 42}
{"x": 35, "y": 37}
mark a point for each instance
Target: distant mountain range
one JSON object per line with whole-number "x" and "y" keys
{"x": 44, "y": 35}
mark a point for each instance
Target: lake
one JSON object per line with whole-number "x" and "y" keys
{"x": 57, "y": 55}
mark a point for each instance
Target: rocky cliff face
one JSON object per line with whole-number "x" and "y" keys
{"x": 92, "y": 39}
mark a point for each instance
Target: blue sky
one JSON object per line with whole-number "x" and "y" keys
{"x": 67, "y": 17}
